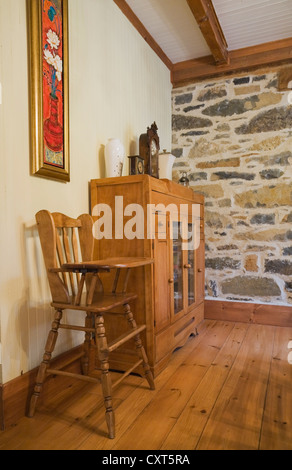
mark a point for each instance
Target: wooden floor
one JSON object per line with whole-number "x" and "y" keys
{"x": 230, "y": 388}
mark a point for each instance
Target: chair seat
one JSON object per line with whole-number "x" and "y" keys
{"x": 101, "y": 302}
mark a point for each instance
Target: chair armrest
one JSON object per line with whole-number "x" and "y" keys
{"x": 109, "y": 263}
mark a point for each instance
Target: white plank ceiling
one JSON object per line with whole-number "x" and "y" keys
{"x": 244, "y": 23}
{"x": 252, "y": 22}
{"x": 173, "y": 26}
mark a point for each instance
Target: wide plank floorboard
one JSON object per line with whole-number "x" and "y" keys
{"x": 277, "y": 419}
{"x": 154, "y": 423}
{"x": 230, "y": 388}
{"x": 235, "y": 421}
{"x": 189, "y": 427}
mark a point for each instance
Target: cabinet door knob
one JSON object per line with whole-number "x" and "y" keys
{"x": 171, "y": 281}
{"x": 200, "y": 270}
{"x": 187, "y": 266}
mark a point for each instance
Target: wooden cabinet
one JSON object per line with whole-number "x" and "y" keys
{"x": 165, "y": 221}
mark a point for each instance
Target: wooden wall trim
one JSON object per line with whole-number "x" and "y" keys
{"x": 262, "y": 314}
{"x": 15, "y": 395}
{"x": 285, "y": 78}
{"x": 269, "y": 54}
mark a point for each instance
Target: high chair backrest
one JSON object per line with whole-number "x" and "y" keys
{"x": 64, "y": 240}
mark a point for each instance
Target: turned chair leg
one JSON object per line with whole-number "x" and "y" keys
{"x": 50, "y": 346}
{"x": 140, "y": 348}
{"x": 87, "y": 343}
{"x": 103, "y": 357}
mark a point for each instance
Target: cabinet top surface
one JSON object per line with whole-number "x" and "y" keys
{"x": 160, "y": 185}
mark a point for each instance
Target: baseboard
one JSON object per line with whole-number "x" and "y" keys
{"x": 1, "y": 409}
{"x": 15, "y": 395}
{"x": 262, "y": 314}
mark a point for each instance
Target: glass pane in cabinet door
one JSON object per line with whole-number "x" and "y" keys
{"x": 177, "y": 268}
{"x": 191, "y": 273}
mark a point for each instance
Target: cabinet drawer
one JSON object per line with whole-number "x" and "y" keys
{"x": 176, "y": 334}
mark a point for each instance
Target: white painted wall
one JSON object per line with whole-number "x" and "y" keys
{"x": 118, "y": 87}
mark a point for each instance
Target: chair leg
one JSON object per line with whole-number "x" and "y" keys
{"x": 50, "y": 346}
{"x": 103, "y": 357}
{"x": 87, "y": 342}
{"x": 140, "y": 348}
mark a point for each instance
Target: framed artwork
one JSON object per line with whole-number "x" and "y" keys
{"x": 49, "y": 89}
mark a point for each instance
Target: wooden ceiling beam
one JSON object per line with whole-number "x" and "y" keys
{"x": 206, "y": 17}
{"x": 128, "y": 12}
{"x": 268, "y": 54}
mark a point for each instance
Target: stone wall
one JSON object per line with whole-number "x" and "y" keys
{"x": 234, "y": 137}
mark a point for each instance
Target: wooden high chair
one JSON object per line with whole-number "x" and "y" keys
{"x": 64, "y": 241}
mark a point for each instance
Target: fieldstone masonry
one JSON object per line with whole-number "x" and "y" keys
{"x": 234, "y": 137}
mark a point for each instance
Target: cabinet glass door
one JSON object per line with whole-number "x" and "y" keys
{"x": 177, "y": 268}
{"x": 191, "y": 274}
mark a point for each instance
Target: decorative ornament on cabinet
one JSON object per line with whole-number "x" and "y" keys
{"x": 136, "y": 165}
{"x": 166, "y": 161}
{"x": 114, "y": 157}
{"x": 184, "y": 180}
{"x": 149, "y": 150}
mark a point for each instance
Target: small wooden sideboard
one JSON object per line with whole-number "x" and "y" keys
{"x": 171, "y": 291}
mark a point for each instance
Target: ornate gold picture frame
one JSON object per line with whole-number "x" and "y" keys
{"x": 49, "y": 88}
